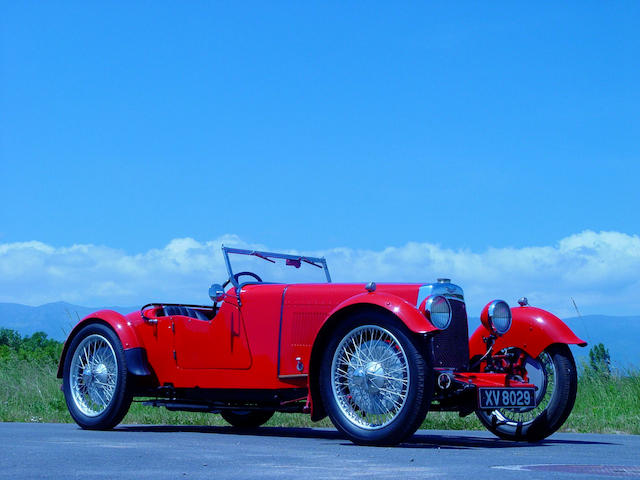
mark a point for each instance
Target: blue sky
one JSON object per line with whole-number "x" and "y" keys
{"x": 317, "y": 126}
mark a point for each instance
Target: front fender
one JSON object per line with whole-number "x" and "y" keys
{"x": 405, "y": 311}
{"x": 532, "y": 330}
{"x": 123, "y": 328}
{"x": 408, "y": 313}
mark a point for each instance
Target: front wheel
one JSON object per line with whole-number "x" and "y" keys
{"x": 95, "y": 378}
{"x": 374, "y": 380}
{"x": 247, "y": 418}
{"x": 554, "y": 373}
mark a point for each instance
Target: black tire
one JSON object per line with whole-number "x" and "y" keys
{"x": 247, "y": 418}
{"x": 402, "y": 390}
{"x": 82, "y": 387}
{"x": 554, "y": 407}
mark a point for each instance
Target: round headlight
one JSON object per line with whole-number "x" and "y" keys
{"x": 496, "y": 317}
{"x": 438, "y": 311}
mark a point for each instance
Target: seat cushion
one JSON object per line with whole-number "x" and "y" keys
{"x": 184, "y": 311}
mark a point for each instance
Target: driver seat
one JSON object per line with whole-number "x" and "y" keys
{"x": 184, "y": 311}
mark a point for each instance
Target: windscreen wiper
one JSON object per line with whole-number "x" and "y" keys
{"x": 258, "y": 254}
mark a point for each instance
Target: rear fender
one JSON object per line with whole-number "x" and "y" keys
{"x": 403, "y": 310}
{"x": 116, "y": 321}
{"x": 532, "y": 330}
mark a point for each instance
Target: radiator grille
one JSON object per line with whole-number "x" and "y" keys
{"x": 451, "y": 347}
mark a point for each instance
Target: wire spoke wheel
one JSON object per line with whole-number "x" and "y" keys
{"x": 375, "y": 378}
{"x": 553, "y": 372}
{"x": 95, "y": 378}
{"x": 93, "y": 375}
{"x": 370, "y": 377}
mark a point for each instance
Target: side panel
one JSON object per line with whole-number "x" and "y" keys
{"x": 260, "y": 311}
{"x": 302, "y": 317}
{"x": 532, "y": 330}
{"x": 217, "y": 343}
{"x": 158, "y": 342}
{"x": 305, "y": 312}
{"x": 281, "y": 323}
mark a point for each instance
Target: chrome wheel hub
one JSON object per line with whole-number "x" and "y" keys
{"x": 375, "y": 376}
{"x": 370, "y": 377}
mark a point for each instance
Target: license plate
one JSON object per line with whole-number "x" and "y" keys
{"x": 506, "y": 397}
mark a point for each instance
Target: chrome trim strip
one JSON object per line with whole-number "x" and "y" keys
{"x": 231, "y": 278}
{"x": 284, "y": 292}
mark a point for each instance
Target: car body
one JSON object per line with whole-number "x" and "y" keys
{"x": 374, "y": 357}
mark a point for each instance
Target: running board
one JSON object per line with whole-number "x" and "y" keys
{"x": 182, "y": 406}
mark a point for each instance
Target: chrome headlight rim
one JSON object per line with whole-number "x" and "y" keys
{"x": 429, "y": 304}
{"x": 491, "y": 317}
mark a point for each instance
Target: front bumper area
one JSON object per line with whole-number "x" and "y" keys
{"x": 458, "y": 391}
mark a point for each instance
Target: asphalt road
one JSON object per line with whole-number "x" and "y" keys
{"x": 157, "y": 452}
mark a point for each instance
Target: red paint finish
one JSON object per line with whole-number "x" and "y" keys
{"x": 236, "y": 349}
{"x": 532, "y": 330}
{"x": 123, "y": 326}
{"x": 243, "y": 347}
{"x": 264, "y": 341}
{"x": 307, "y": 308}
{"x": 407, "y": 312}
{"x": 158, "y": 341}
{"x": 257, "y": 344}
{"x": 218, "y": 343}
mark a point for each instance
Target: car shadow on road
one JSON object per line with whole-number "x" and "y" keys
{"x": 419, "y": 440}
{"x": 298, "y": 432}
{"x": 422, "y": 440}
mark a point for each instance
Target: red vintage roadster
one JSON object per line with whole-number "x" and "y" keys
{"x": 373, "y": 357}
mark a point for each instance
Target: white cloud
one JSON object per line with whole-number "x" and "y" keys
{"x": 600, "y": 270}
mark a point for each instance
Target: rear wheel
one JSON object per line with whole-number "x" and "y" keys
{"x": 375, "y": 383}
{"x": 95, "y": 378}
{"x": 247, "y": 418}
{"x": 554, "y": 373}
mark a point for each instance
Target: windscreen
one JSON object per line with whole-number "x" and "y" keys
{"x": 272, "y": 269}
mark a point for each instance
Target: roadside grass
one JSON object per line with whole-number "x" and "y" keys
{"x": 606, "y": 403}
{"x": 30, "y": 392}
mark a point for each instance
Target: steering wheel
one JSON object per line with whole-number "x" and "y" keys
{"x": 240, "y": 274}
{"x": 251, "y": 274}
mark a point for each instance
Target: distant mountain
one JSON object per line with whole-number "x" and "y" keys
{"x": 621, "y": 335}
{"x": 55, "y": 319}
